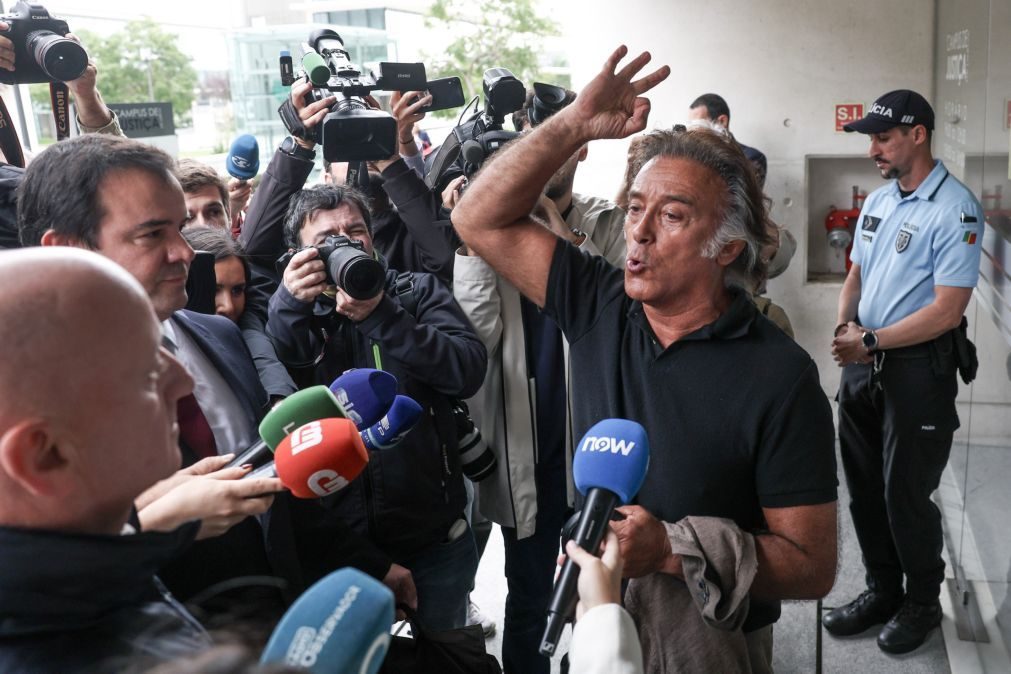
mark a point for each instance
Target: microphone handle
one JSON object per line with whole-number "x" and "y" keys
{"x": 590, "y": 532}
{"x": 255, "y": 454}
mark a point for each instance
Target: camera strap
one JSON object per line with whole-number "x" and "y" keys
{"x": 59, "y": 95}
{"x": 10, "y": 144}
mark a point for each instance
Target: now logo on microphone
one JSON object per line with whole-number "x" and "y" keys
{"x": 607, "y": 444}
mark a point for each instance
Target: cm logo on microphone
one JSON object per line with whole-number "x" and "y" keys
{"x": 325, "y": 482}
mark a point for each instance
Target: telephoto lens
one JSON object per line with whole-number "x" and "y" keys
{"x": 350, "y": 268}
{"x": 59, "y": 57}
{"x": 476, "y": 457}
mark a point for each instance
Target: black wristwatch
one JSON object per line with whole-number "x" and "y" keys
{"x": 870, "y": 340}
{"x": 290, "y": 147}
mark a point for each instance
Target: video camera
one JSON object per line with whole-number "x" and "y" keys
{"x": 351, "y": 131}
{"x": 42, "y": 53}
{"x": 473, "y": 141}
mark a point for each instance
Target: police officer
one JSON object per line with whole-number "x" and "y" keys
{"x": 915, "y": 262}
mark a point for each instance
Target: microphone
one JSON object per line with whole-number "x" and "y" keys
{"x": 391, "y": 429}
{"x": 301, "y": 407}
{"x": 243, "y": 161}
{"x": 365, "y": 394}
{"x": 609, "y": 468}
{"x": 320, "y": 458}
{"x": 340, "y": 624}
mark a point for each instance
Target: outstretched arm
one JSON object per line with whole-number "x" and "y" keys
{"x": 493, "y": 217}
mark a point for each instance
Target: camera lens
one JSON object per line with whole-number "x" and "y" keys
{"x": 360, "y": 276}
{"x": 60, "y": 58}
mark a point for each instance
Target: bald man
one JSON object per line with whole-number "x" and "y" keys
{"x": 78, "y": 585}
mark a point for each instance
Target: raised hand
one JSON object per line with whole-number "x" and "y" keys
{"x": 612, "y": 105}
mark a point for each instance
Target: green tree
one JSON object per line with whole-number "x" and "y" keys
{"x": 507, "y": 34}
{"x": 139, "y": 63}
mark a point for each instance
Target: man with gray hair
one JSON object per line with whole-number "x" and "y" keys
{"x": 742, "y": 464}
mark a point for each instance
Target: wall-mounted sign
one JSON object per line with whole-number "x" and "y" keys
{"x": 145, "y": 120}
{"x": 846, "y": 113}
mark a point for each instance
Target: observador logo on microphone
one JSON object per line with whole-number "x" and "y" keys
{"x": 309, "y": 641}
{"x": 606, "y": 444}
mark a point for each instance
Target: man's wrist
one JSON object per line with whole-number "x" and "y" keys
{"x": 839, "y": 329}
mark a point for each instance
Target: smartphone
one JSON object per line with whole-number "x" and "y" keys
{"x": 201, "y": 285}
{"x": 447, "y": 92}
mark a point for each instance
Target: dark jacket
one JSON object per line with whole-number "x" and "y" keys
{"x": 412, "y": 237}
{"x": 10, "y": 178}
{"x": 410, "y": 495}
{"x": 82, "y": 603}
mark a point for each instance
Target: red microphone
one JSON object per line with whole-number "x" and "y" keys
{"x": 320, "y": 457}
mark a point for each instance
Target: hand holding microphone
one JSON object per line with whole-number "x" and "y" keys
{"x": 220, "y": 500}
{"x": 609, "y": 467}
{"x": 242, "y": 163}
{"x": 599, "y": 577}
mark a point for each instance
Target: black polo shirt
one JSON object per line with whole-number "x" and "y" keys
{"x": 736, "y": 418}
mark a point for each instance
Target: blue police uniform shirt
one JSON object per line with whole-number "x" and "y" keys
{"x": 906, "y": 246}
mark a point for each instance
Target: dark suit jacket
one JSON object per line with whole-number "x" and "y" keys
{"x": 297, "y": 542}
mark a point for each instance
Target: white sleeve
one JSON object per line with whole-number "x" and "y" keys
{"x": 605, "y": 642}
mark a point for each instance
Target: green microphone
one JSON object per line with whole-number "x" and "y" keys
{"x": 316, "y": 69}
{"x": 298, "y": 409}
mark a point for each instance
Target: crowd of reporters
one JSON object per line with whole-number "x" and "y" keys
{"x": 307, "y": 283}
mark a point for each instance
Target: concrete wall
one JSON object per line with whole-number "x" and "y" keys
{"x": 782, "y": 65}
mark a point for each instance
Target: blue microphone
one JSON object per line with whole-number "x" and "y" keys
{"x": 340, "y": 624}
{"x": 395, "y": 424}
{"x": 608, "y": 469}
{"x": 243, "y": 161}
{"x": 365, "y": 394}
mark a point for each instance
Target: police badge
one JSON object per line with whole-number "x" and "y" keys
{"x": 902, "y": 240}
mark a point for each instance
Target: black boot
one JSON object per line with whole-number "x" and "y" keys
{"x": 869, "y": 609}
{"x": 908, "y": 629}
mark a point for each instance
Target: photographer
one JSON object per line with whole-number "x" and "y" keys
{"x": 407, "y": 232}
{"x": 410, "y": 500}
{"x": 93, "y": 116}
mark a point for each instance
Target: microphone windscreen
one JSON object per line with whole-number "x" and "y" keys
{"x": 243, "y": 161}
{"x": 613, "y": 455}
{"x": 365, "y": 394}
{"x": 391, "y": 429}
{"x": 316, "y": 68}
{"x": 339, "y": 625}
{"x": 320, "y": 458}
{"x": 301, "y": 407}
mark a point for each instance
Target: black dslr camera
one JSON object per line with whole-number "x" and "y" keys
{"x": 473, "y": 141}
{"x": 351, "y": 131}
{"x": 41, "y": 52}
{"x": 347, "y": 266}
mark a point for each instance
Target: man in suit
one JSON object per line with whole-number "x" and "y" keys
{"x": 121, "y": 199}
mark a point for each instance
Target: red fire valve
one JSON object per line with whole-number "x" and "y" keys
{"x": 839, "y": 224}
